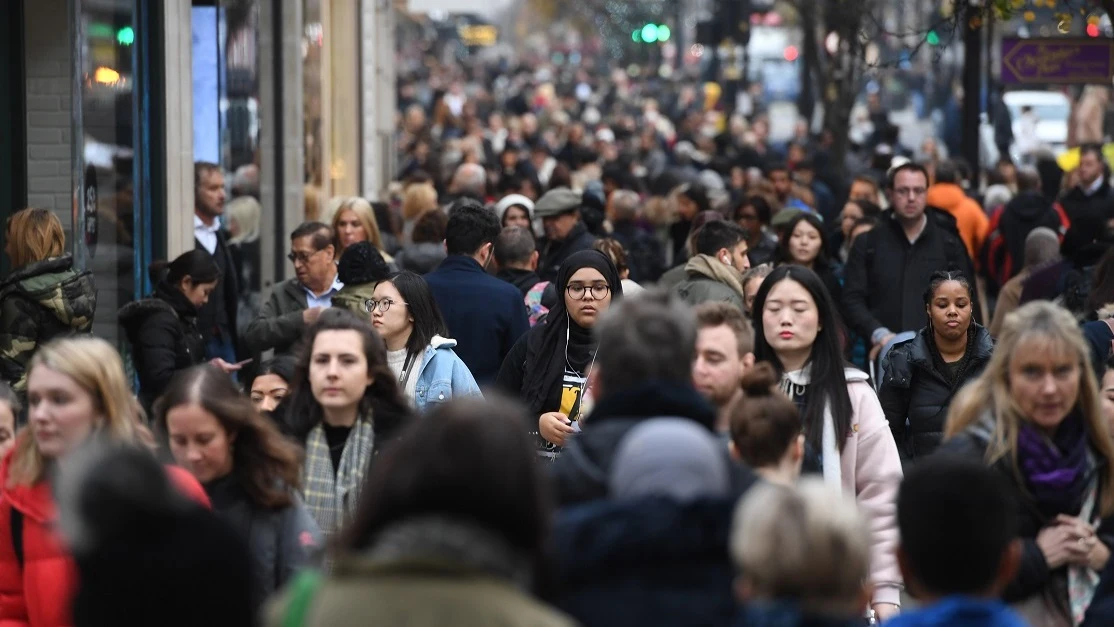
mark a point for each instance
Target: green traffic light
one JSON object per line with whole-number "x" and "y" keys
{"x": 636, "y": 36}
{"x": 663, "y": 32}
{"x": 650, "y": 33}
{"x": 125, "y": 36}
{"x": 932, "y": 38}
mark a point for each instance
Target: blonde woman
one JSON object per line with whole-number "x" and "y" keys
{"x": 418, "y": 199}
{"x": 1035, "y": 415}
{"x": 244, "y": 215}
{"x": 44, "y": 296}
{"x": 355, "y": 222}
{"x": 76, "y": 389}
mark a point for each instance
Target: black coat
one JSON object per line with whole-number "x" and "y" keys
{"x": 645, "y": 254}
{"x": 914, "y": 389}
{"x": 554, "y": 253}
{"x": 885, "y": 276}
{"x": 648, "y": 561}
{"x": 164, "y": 339}
{"x": 217, "y": 319}
{"x": 1097, "y": 205}
{"x": 581, "y": 472}
{"x": 1033, "y": 575}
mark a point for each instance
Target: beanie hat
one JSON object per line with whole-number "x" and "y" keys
{"x": 361, "y": 263}
{"x": 670, "y": 457}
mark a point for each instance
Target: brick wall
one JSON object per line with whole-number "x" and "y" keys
{"x": 49, "y": 105}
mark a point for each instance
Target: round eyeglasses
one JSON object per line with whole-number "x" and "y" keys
{"x": 383, "y": 305}
{"x": 577, "y": 291}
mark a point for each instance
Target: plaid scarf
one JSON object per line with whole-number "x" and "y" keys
{"x": 332, "y": 497}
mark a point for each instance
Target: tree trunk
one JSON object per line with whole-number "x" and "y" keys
{"x": 840, "y": 84}
{"x": 810, "y": 65}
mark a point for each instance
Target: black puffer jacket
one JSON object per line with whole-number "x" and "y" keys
{"x": 914, "y": 389}
{"x": 164, "y": 338}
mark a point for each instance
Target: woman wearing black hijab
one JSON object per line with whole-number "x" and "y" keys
{"x": 548, "y": 368}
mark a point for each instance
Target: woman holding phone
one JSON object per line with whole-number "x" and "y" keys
{"x": 163, "y": 329}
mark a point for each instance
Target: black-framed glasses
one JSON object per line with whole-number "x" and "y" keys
{"x": 383, "y": 305}
{"x": 577, "y": 290}
{"x": 297, "y": 258}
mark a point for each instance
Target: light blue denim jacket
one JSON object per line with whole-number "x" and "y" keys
{"x": 442, "y": 376}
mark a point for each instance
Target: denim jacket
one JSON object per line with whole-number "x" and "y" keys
{"x": 442, "y": 375}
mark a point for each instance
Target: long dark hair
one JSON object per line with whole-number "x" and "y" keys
{"x": 265, "y": 464}
{"x": 828, "y": 383}
{"x": 423, "y": 308}
{"x": 382, "y": 399}
{"x": 782, "y": 254}
{"x": 469, "y": 460}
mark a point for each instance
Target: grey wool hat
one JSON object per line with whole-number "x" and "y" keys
{"x": 557, "y": 201}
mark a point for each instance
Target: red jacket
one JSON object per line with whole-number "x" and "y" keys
{"x": 39, "y": 593}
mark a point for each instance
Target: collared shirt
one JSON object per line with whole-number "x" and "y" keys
{"x": 326, "y": 299}
{"x": 206, "y": 234}
{"x": 1094, "y": 187}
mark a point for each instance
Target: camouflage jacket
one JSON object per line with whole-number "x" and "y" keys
{"x": 39, "y": 302}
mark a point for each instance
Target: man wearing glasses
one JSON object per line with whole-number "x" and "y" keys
{"x": 296, "y": 303}
{"x": 890, "y": 266}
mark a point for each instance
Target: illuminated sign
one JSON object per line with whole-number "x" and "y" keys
{"x": 478, "y": 34}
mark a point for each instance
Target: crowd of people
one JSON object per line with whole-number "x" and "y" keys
{"x": 590, "y": 364}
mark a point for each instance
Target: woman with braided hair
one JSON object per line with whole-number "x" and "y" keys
{"x": 924, "y": 373}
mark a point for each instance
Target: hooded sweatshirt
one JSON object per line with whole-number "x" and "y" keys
{"x": 969, "y": 216}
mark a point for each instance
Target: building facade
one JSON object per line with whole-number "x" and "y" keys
{"x": 109, "y": 103}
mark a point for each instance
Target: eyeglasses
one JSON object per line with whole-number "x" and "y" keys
{"x": 910, "y": 191}
{"x": 578, "y": 291}
{"x": 297, "y": 258}
{"x": 384, "y": 305}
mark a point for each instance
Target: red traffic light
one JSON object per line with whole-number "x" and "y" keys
{"x": 1092, "y": 30}
{"x": 791, "y": 53}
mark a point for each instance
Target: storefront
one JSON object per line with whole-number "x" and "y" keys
{"x": 110, "y": 102}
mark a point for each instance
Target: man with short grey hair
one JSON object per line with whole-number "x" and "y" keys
{"x": 517, "y": 257}
{"x": 643, "y": 370}
{"x": 469, "y": 181}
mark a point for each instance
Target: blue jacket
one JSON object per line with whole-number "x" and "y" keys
{"x": 484, "y": 314}
{"x": 959, "y": 612}
{"x": 442, "y": 376}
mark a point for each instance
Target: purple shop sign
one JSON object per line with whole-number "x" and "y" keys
{"x": 1056, "y": 60}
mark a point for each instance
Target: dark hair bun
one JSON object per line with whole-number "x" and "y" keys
{"x": 760, "y": 381}
{"x": 361, "y": 264}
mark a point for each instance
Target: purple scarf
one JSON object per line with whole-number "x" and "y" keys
{"x": 1054, "y": 469}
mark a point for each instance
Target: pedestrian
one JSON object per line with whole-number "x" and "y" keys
{"x": 296, "y": 303}
{"x": 1092, "y": 196}
{"x": 419, "y": 351}
{"x": 947, "y": 194}
{"x": 244, "y": 214}
{"x": 143, "y": 553}
{"x": 647, "y": 257}
{"x": 1004, "y": 251}
{"x": 1034, "y": 416}
{"x": 346, "y": 405}
{"x": 218, "y": 318}
{"x": 888, "y": 265}
{"x": 548, "y": 369}
{"x": 959, "y": 547}
{"x": 428, "y": 248}
{"x": 10, "y": 410}
{"x": 354, "y": 221}
{"x": 766, "y": 431}
{"x": 565, "y": 232}
{"x": 44, "y": 296}
{"x": 923, "y": 374}
{"x": 670, "y": 278}
{"x": 618, "y": 255}
{"x": 453, "y": 526}
{"x": 621, "y": 564}
{"x": 715, "y": 273}
{"x": 754, "y": 215}
{"x": 804, "y": 557}
{"x": 853, "y": 211}
{"x": 272, "y": 383}
{"x": 360, "y": 269}
{"x": 516, "y": 254}
{"x": 724, "y": 355}
{"x": 162, "y": 329}
{"x": 691, "y": 200}
{"x": 803, "y": 243}
{"x": 486, "y": 316}
{"x": 515, "y": 210}
{"x": 250, "y": 472}
{"x": 417, "y": 199}
{"x": 75, "y": 387}
{"x": 1042, "y": 247}
{"x": 752, "y": 282}
{"x": 848, "y": 441}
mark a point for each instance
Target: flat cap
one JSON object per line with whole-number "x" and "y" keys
{"x": 557, "y": 201}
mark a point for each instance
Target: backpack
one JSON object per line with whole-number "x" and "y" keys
{"x": 995, "y": 257}
{"x": 535, "y": 310}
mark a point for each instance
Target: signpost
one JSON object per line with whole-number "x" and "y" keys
{"x": 1056, "y": 60}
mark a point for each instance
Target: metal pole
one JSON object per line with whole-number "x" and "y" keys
{"x": 972, "y": 87}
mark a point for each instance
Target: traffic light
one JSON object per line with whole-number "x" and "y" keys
{"x": 652, "y": 33}
{"x": 125, "y": 36}
{"x": 1092, "y": 30}
{"x": 933, "y": 38}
